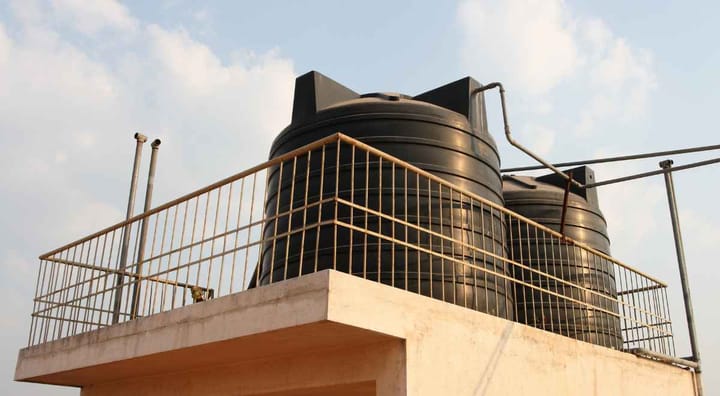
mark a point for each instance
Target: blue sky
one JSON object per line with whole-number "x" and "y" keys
{"x": 214, "y": 80}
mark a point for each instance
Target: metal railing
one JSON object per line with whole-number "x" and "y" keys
{"x": 341, "y": 204}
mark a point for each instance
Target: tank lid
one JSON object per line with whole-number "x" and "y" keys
{"x": 314, "y": 92}
{"x": 582, "y": 174}
{"x": 392, "y": 96}
{"x": 456, "y": 96}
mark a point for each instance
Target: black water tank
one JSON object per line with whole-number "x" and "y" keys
{"x": 541, "y": 199}
{"x": 431, "y": 131}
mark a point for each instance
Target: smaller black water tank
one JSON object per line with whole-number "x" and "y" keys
{"x": 541, "y": 199}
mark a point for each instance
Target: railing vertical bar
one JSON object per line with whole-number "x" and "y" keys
{"x": 442, "y": 243}
{"x": 180, "y": 254}
{"x": 305, "y": 213}
{"x": 392, "y": 224}
{"x": 104, "y": 277}
{"x": 351, "y": 232}
{"x": 192, "y": 241}
{"x": 406, "y": 267}
{"x": 69, "y": 317}
{"x": 509, "y": 286}
{"x": 33, "y": 320}
{"x": 238, "y": 221}
{"x": 430, "y": 237}
{"x": 529, "y": 263}
{"x": 321, "y": 191}
{"x": 90, "y": 289}
{"x": 67, "y": 276}
{"x": 249, "y": 235}
{"x": 163, "y": 301}
{"x": 484, "y": 257}
{"x": 203, "y": 238}
{"x": 335, "y": 204}
{"x": 135, "y": 279}
{"x": 225, "y": 238}
{"x": 216, "y": 218}
{"x": 54, "y": 274}
{"x": 451, "y": 192}
{"x": 366, "y": 220}
{"x": 108, "y": 318}
{"x": 463, "y": 230}
{"x": 380, "y": 229}
{"x": 473, "y": 242}
{"x": 290, "y": 219}
{"x": 419, "y": 236}
{"x": 155, "y": 286}
{"x": 79, "y": 288}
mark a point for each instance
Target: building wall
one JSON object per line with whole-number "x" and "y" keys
{"x": 355, "y": 371}
{"x": 454, "y": 351}
{"x": 330, "y": 333}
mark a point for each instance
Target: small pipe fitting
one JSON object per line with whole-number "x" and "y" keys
{"x": 140, "y": 137}
{"x": 155, "y": 144}
{"x": 666, "y": 164}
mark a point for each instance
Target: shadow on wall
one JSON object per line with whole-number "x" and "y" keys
{"x": 494, "y": 359}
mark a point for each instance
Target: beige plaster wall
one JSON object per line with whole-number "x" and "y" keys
{"x": 332, "y": 333}
{"x": 355, "y": 371}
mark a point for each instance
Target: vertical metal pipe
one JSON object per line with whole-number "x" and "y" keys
{"x": 140, "y": 140}
{"x": 143, "y": 230}
{"x": 565, "y": 203}
{"x": 670, "y": 187}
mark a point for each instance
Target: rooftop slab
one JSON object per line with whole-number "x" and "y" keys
{"x": 333, "y": 333}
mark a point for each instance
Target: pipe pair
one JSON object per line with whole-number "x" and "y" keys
{"x": 140, "y": 139}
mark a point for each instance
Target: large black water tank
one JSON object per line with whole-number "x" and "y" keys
{"x": 541, "y": 199}
{"x": 432, "y": 131}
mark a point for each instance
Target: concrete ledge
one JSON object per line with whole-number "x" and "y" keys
{"x": 334, "y": 331}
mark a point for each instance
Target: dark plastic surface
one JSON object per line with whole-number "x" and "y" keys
{"x": 541, "y": 199}
{"x": 418, "y": 130}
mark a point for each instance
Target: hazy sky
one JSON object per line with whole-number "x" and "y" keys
{"x": 215, "y": 82}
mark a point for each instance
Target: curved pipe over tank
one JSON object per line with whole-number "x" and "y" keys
{"x": 508, "y": 134}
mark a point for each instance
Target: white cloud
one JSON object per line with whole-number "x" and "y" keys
{"x": 532, "y": 41}
{"x": 93, "y": 16}
{"x": 540, "y": 47}
{"x": 620, "y": 77}
{"x": 68, "y": 113}
{"x": 540, "y": 138}
{"x": 630, "y": 209}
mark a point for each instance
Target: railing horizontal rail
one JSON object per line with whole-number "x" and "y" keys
{"x": 340, "y": 204}
{"x": 503, "y": 276}
{"x": 483, "y": 252}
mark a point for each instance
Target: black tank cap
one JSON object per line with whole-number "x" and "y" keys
{"x": 456, "y": 97}
{"x": 583, "y": 175}
{"x": 314, "y": 92}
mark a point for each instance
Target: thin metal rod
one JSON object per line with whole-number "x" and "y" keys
{"x": 653, "y": 173}
{"x": 669, "y": 185}
{"x": 155, "y": 145}
{"x": 617, "y": 158}
{"x": 140, "y": 140}
{"x": 566, "y": 195}
{"x": 508, "y": 135}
